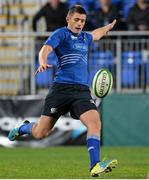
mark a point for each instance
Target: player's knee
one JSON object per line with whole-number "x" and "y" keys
{"x": 94, "y": 127}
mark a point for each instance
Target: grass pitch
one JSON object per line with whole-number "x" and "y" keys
{"x": 70, "y": 162}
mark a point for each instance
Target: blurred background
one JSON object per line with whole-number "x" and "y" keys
{"x": 26, "y": 24}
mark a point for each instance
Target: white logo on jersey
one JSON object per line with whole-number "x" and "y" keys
{"x": 74, "y": 37}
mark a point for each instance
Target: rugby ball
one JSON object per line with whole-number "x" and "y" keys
{"x": 102, "y": 83}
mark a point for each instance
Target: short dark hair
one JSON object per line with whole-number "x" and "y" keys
{"x": 76, "y": 9}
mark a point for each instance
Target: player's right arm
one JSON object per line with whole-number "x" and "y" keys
{"x": 51, "y": 43}
{"x": 43, "y": 56}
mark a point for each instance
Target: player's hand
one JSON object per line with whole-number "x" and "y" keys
{"x": 43, "y": 67}
{"x": 111, "y": 25}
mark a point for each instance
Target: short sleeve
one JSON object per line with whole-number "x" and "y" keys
{"x": 90, "y": 38}
{"x": 55, "y": 39}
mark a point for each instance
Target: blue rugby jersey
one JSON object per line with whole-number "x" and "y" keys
{"x": 72, "y": 52}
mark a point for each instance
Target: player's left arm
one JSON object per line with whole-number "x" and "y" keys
{"x": 100, "y": 32}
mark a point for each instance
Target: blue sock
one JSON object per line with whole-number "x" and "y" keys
{"x": 26, "y": 128}
{"x": 93, "y": 146}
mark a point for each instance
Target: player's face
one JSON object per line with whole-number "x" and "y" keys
{"x": 76, "y": 22}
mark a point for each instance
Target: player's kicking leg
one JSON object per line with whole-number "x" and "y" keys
{"x": 37, "y": 130}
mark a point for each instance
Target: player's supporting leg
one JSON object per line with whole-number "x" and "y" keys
{"x": 37, "y": 130}
{"x": 92, "y": 121}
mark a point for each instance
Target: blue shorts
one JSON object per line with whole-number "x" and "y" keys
{"x": 64, "y": 98}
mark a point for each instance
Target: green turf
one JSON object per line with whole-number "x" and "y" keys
{"x": 70, "y": 162}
